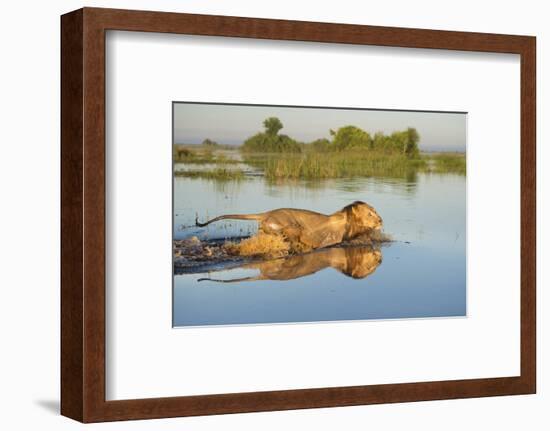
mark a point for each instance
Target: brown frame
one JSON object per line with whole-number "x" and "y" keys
{"x": 83, "y": 214}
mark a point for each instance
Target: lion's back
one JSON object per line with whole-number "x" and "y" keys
{"x": 297, "y": 217}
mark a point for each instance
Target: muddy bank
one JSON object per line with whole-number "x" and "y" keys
{"x": 194, "y": 256}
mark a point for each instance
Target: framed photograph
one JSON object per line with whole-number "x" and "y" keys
{"x": 266, "y": 215}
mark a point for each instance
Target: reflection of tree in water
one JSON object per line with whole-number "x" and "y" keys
{"x": 412, "y": 176}
{"x": 229, "y": 188}
{"x": 400, "y": 178}
{"x": 302, "y": 189}
{"x": 297, "y": 189}
{"x": 355, "y": 262}
{"x": 406, "y": 181}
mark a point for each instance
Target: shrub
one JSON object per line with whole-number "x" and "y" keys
{"x": 270, "y": 141}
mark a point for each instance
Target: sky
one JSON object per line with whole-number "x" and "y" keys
{"x": 232, "y": 124}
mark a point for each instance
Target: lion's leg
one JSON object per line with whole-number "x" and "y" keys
{"x": 293, "y": 235}
{"x": 269, "y": 226}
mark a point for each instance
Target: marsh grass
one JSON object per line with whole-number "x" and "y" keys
{"x": 448, "y": 163}
{"x": 202, "y": 155}
{"x": 185, "y": 155}
{"x": 315, "y": 166}
{"x": 218, "y": 174}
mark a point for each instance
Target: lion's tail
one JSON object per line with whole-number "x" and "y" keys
{"x": 229, "y": 216}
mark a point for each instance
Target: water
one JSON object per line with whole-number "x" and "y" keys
{"x": 421, "y": 274}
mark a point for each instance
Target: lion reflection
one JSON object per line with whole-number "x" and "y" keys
{"x": 355, "y": 262}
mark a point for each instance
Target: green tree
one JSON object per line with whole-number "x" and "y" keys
{"x": 272, "y": 125}
{"x": 411, "y": 148}
{"x": 209, "y": 143}
{"x": 381, "y": 142}
{"x": 320, "y": 145}
{"x": 270, "y": 141}
{"x": 349, "y": 137}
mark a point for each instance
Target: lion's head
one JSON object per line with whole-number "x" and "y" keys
{"x": 365, "y": 216}
{"x": 361, "y": 218}
{"x": 361, "y": 261}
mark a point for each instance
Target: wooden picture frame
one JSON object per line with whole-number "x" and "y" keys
{"x": 83, "y": 214}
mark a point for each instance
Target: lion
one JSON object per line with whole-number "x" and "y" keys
{"x": 307, "y": 230}
{"x": 355, "y": 262}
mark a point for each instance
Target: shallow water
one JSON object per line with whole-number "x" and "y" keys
{"x": 421, "y": 274}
